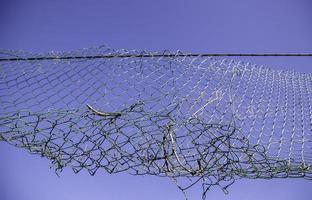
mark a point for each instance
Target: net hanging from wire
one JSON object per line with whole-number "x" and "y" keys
{"x": 194, "y": 119}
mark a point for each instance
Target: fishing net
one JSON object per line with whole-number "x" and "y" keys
{"x": 193, "y": 119}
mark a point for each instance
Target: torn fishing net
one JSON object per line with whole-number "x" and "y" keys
{"x": 193, "y": 119}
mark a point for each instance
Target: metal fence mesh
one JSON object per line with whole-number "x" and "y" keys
{"x": 190, "y": 118}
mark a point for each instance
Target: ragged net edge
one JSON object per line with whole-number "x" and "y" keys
{"x": 135, "y": 138}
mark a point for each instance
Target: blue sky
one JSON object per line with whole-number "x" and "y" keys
{"x": 220, "y": 26}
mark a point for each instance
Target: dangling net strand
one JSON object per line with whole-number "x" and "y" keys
{"x": 189, "y": 117}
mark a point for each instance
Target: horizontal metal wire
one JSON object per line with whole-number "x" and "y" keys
{"x": 159, "y": 55}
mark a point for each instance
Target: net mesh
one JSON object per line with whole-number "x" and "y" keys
{"x": 194, "y": 119}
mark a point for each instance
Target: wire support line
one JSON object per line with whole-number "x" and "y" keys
{"x": 157, "y": 55}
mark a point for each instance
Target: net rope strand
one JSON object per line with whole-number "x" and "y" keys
{"x": 193, "y": 119}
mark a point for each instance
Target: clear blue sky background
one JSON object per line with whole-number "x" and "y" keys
{"x": 219, "y": 26}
